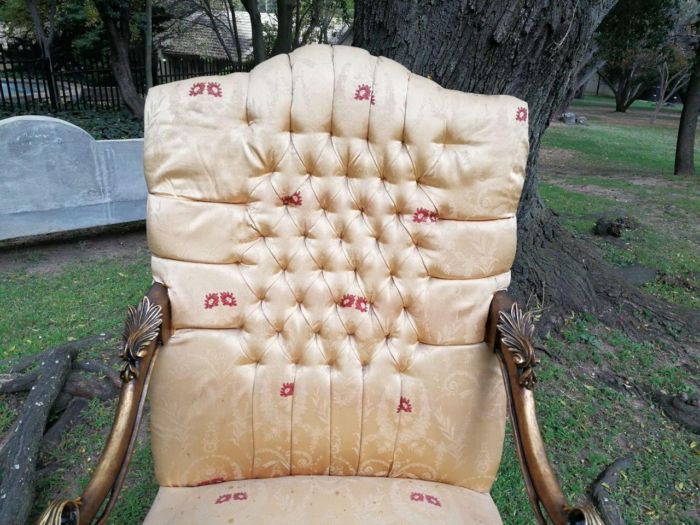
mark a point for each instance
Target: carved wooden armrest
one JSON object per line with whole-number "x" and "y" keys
{"x": 510, "y": 333}
{"x": 146, "y": 326}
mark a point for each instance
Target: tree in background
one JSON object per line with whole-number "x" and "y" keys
{"x": 631, "y": 38}
{"x": 675, "y": 58}
{"x": 116, "y": 15}
{"x": 685, "y": 145}
{"x": 532, "y": 51}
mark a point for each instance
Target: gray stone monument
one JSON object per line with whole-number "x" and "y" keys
{"x": 54, "y": 177}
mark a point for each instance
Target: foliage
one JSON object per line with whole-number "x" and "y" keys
{"x": 631, "y": 39}
{"x": 102, "y": 124}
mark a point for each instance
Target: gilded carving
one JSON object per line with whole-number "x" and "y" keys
{"x": 140, "y": 329}
{"x": 517, "y": 332}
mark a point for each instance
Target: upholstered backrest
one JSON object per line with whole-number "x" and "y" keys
{"x": 331, "y": 229}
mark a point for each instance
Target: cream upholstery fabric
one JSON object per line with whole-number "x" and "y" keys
{"x": 331, "y": 229}
{"x": 327, "y": 500}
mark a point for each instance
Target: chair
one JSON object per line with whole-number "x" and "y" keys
{"x": 328, "y": 333}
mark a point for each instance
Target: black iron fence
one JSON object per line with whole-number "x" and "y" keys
{"x": 33, "y": 84}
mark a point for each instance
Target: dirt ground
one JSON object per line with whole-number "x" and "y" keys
{"x": 53, "y": 256}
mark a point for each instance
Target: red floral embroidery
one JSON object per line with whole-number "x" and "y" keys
{"x": 347, "y": 300}
{"x": 404, "y": 405}
{"x": 228, "y": 299}
{"x": 235, "y": 496}
{"x": 433, "y": 500}
{"x": 361, "y": 304}
{"x": 197, "y": 89}
{"x": 223, "y": 498}
{"x": 424, "y": 215}
{"x": 214, "y": 89}
{"x": 287, "y": 389}
{"x": 521, "y": 114}
{"x": 294, "y": 199}
{"x": 212, "y": 481}
{"x": 417, "y": 496}
{"x": 364, "y": 92}
{"x": 211, "y": 300}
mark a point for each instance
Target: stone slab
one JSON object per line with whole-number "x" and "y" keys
{"x": 54, "y": 177}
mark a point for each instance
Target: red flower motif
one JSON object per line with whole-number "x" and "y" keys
{"x": 294, "y": 199}
{"x": 521, "y": 114}
{"x": 433, "y": 500}
{"x": 287, "y": 389}
{"x": 404, "y": 405}
{"x": 228, "y": 299}
{"x": 347, "y": 300}
{"x": 364, "y": 92}
{"x": 417, "y": 496}
{"x": 424, "y": 215}
{"x": 361, "y": 304}
{"x": 223, "y": 499}
{"x": 197, "y": 89}
{"x": 236, "y": 496}
{"x": 212, "y": 481}
{"x": 211, "y": 300}
{"x": 214, "y": 89}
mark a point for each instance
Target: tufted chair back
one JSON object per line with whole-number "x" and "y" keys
{"x": 331, "y": 229}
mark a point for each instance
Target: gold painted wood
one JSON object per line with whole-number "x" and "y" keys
{"x": 510, "y": 334}
{"x": 61, "y": 512}
{"x": 146, "y": 326}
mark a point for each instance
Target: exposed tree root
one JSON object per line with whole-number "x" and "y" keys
{"x": 21, "y": 452}
{"x": 683, "y": 410}
{"x": 567, "y": 276}
{"x": 600, "y": 491}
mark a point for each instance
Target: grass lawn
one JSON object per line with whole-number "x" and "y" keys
{"x": 592, "y": 406}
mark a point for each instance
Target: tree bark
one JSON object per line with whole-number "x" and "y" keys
{"x": 251, "y": 6}
{"x": 116, "y": 19}
{"x": 530, "y": 50}
{"x": 283, "y": 41}
{"x": 685, "y": 146}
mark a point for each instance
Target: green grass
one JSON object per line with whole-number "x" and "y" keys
{"x": 618, "y": 146}
{"x": 82, "y": 300}
{"x": 608, "y": 102}
{"x": 634, "y": 145}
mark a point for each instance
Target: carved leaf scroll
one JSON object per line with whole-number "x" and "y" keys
{"x": 517, "y": 335}
{"x": 140, "y": 329}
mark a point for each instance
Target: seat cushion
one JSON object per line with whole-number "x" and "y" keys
{"x": 322, "y": 499}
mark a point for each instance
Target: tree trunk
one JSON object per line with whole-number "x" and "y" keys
{"x": 532, "y": 51}
{"x": 685, "y": 146}
{"x": 122, "y": 73}
{"x": 283, "y": 42}
{"x": 116, "y": 19}
{"x": 148, "y": 38}
{"x": 251, "y": 6}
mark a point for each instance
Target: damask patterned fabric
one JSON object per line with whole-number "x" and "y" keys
{"x": 331, "y": 229}
{"x": 326, "y": 500}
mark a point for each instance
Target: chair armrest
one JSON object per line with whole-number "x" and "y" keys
{"x": 510, "y": 334}
{"x": 146, "y": 326}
